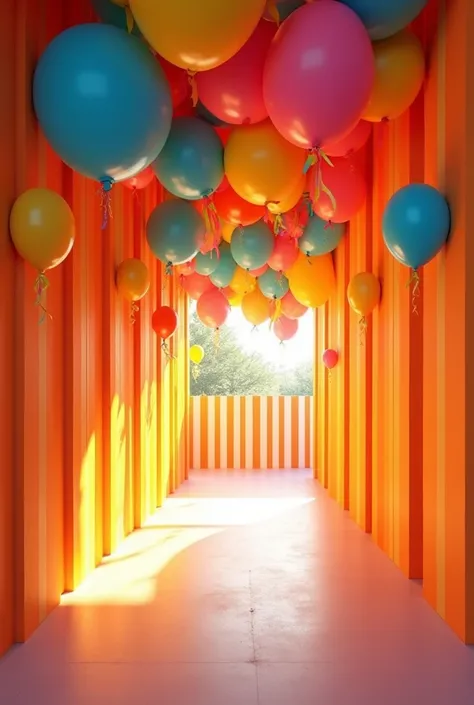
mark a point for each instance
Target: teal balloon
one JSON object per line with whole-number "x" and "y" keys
{"x": 206, "y": 263}
{"x": 206, "y": 115}
{"x": 273, "y": 285}
{"x": 109, "y": 13}
{"x": 319, "y": 237}
{"x": 416, "y": 224}
{"x": 224, "y": 272}
{"x": 175, "y": 231}
{"x": 384, "y": 18}
{"x": 191, "y": 164}
{"x": 252, "y": 245}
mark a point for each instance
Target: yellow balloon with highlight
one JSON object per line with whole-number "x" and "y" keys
{"x": 227, "y": 229}
{"x": 197, "y": 36}
{"x": 42, "y": 228}
{"x": 312, "y": 280}
{"x": 290, "y": 201}
{"x": 133, "y": 279}
{"x": 234, "y": 298}
{"x": 363, "y": 293}
{"x": 242, "y": 281}
{"x": 256, "y": 307}
{"x": 196, "y": 354}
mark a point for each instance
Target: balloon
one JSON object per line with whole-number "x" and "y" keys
{"x": 330, "y": 358}
{"x": 242, "y": 281}
{"x": 177, "y": 80}
{"x": 261, "y": 165}
{"x": 223, "y": 273}
{"x": 290, "y": 200}
{"x": 312, "y": 279}
{"x": 213, "y": 308}
{"x": 284, "y": 254}
{"x": 133, "y": 279}
{"x": 111, "y": 12}
{"x": 234, "y": 209}
{"x": 273, "y": 285}
{"x": 42, "y": 228}
{"x": 292, "y": 308}
{"x": 206, "y": 263}
{"x": 348, "y": 187}
{"x": 175, "y": 231}
{"x": 233, "y": 297}
{"x": 197, "y": 36}
{"x": 233, "y": 90}
{"x": 284, "y": 8}
{"x": 185, "y": 269}
{"x": 141, "y": 180}
{"x": 114, "y": 125}
{"x": 256, "y": 307}
{"x": 195, "y": 285}
{"x": 258, "y": 272}
{"x": 191, "y": 163}
{"x": 318, "y": 238}
{"x": 416, "y": 224}
{"x": 252, "y": 246}
{"x": 206, "y": 115}
{"x": 223, "y": 133}
{"x": 226, "y": 229}
{"x": 399, "y": 75}
{"x": 196, "y": 354}
{"x": 386, "y": 17}
{"x": 223, "y": 186}
{"x": 363, "y": 293}
{"x": 351, "y": 143}
{"x": 285, "y": 328}
{"x": 318, "y": 74}
{"x": 164, "y": 321}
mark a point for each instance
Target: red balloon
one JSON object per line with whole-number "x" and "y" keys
{"x": 185, "y": 269}
{"x": 195, "y": 285}
{"x": 164, "y": 321}
{"x": 330, "y": 358}
{"x": 258, "y": 272}
{"x": 235, "y": 210}
{"x": 348, "y": 188}
{"x": 285, "y": 328}
{"x": 224, "y": 134}
{"x": 213, "y": 308}
{"x": 178, "y": 82}
{"x": 291, "y": 308}
{"x": 223, "y": 186}
{"x": 284, "y": 255}
{"x": 233, "y": 91}
{"x": 350, "y": 143}
{"x": 141, "y": 180}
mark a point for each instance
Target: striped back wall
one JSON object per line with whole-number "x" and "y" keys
{"x": 251, "y": 433}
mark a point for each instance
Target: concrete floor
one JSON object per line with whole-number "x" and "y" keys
{"x": 248, "y": 588}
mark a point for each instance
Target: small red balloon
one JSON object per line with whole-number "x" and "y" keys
{"x": 284, "y": 254}
{"x": 164, "y": 321}
{"x": 235, "y": 210}
{"x": 350, "y": 143}
{"x": 141, "y": 180}
{"x": 349, "y": 190}
{"x": 258, "y": 272}
{"x": 292, "y": 308}
{"x": 285, "y": 328}
{"x": 213, "y": 308}
{"x": 330, "y": 358}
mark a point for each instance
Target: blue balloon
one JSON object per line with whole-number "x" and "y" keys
{"x": 319, "y": 237}
{"x": 252, "y": 246}
{"x": 207, "y": 263}
{"x": 287, "y": 7}
{"x": 273, "y": 285}
{"x": 224, "y": 272}
{"x": 416, "y": 224}
{"x": 110, "y": 13}
{"x": 191, "y": 164}
{"x": 102, "y": 101}
{"x": 175, "y": 231}
{"x": 383, "y": 18}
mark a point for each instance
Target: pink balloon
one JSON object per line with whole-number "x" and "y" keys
{"x": 348, "y": 188}
{"x": 141, "y": 180}
{"x": 258, "y": 272}
{"x": 285, "y": 328}
{"x": 319, "y": 74}
{"x": 284, "y": 254}
{"x": 195, "y": 285}
{"x": 213, "y": 308}
{"x": 330, "y": 358}
{"x": 352, "y": 142}
{"x": 291, "y": 308}
{"x": 233, "y": 91}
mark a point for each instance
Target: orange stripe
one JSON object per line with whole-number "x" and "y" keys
{"x": 281, "y": 431}
{"x": 217, "y": 433}
{"x": 256, "y": 440}
{"x": 295, "y": 421}
{"x": 308, "y": 430}
{"x": 230, "y": 433}
{"x": 242, "y": 440}
{"x": 271, "y": 432}
{"x": 204, "y": 433}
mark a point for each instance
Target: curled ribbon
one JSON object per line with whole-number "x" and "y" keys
{"x": 106, "y": 201}
{"x": 166, "y": 350}
{"x": 312, "y": 167}
{"x": 213, "y": 224}
{"x": 134, "y": 309}
{"x": 363, "y": 325}
{"x": 415, "y": 294}
{"x": 41, "y": 284}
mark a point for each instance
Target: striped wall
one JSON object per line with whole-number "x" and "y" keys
{"x": 251, "y": 432}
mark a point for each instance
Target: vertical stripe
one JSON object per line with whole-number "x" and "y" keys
{"x": 270, "y": 422}
{"x": 295, "y": 431}
{"x": 197, "y": 433}
{"x": 287, "y": 433}
{"x": 237, "y": 461}
{"x": 211, "y": 406}
{"x": 230, "y": 433}
{"x": 256, "y": 404}
{"x": 243, "y": 429}
{"x": 281, "y": 432}
{"x": 309, "y": 421}
{"x": 301, "y": 432}
{"x": 204, "y": 436}
{"x": 263, "y": 434}
{"x": 275, "y": 432}
{"x": 217, "y": 432}
{"x": 224, "y": 462}
{"x": 249, "y": 433}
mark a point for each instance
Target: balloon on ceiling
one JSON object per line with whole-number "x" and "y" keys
{"x": 174, "y": 232}
{"x": 119, "y": 15}
{"x": 383, "y": 18}
{"x": 252, "y": 246}
{"x": 223, "y": 273}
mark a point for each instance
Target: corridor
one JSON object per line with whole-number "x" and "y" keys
{"x": 247, "y": 588}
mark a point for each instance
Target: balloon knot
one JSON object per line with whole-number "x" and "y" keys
{"x": 329, "y": 225}
{"x": 168, "y": 269}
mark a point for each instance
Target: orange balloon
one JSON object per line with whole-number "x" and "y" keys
{"x": 133, "y": 279}
{"x": 234, "y": 298}
{"x": 260, "y": 165}
{"x": 227, "y": 229}
{"x": 290, "y": 200}
{"x": 256, "y": 307}
{"x": 312, "y": 280}
{"x": 363, "y": 293}
{"x": 399, "y": 75}
{"x": 242, "y": 281}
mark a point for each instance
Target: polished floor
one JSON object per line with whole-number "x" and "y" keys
{"x": 246, "y": 589}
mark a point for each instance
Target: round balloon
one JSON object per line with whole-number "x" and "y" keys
{"x": 102, "y": 102}
{"x": 291, "y": 308}
{"x": 195, "y": 285}
{"x": 312, "y": 280}
{"x": 363, "y": 293}
{"x": 212, "y": 309}
{"x": 285, "y": 328}
{"x": 223, "y": 273}
{"x": 197, "y": 36}
{"x": 175, "y": 231}
{"x": 284, "y": 254}
{"x": 110, "y": 12}
{"x": 206, "y": 263}
{"x": 318, "y": 238}
{"x": 42, "y": 228}
{"x": 354, "y": 141}
{"x": 291, "y": 199}
{"x": 256, "y": 307}
{"x": 242, "y": 281}
{"x": 196, "y": 354}
{"x": 191, "y": 163}
{"x": 319, "y": 74}
{"x": 261, "y": 165}
{"x": 416, "y": 224}
{"x": 164, "y": 321}
{"x": 133, "y": 279}
{"x": 252, "y": 246}
{"x": 141, "y": 181}
{"x": 259, "y": 271}
{"x": 348, "y": 188}
{"x": 233, "y": 297}
{"x": 178, "y": 82}
{"x": 330, "y": 358}
{"x": 273, "y": 285}
{"x": 383, "y": 18}
{"x": 233, "y": 90}
{"x": 235, "y": 210}
{"x": 227, "y": 229}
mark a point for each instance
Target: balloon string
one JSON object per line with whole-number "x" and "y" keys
{"x": 130, "y": 19}
{"x": 106, "y": 203}
{"x": 134, "y": 309}
{"x": 213, "y": 224}
{"x": 275, "y": 307}
{"x": 363, "y": 325}
{"x": 278, "y": 225}
{"x": 193, "y": 85}
{"x": 329, "y": 376}
{"x": 40, "y": 286}
{"x": 272, "y": 10}
{"x": 416, "y": 292}
{"x": 216, "y": 339}
{"x": 254, "y": 329}
{"x": 168, "y": 273}
{"x": 166, "y": 350}
{"x": 195, "y": 371}
{"x": 312, "y": 167}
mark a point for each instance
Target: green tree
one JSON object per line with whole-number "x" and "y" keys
{"x": 297, "y": 382}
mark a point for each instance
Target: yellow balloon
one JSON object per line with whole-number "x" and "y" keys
{"x": 227, "y": 229}
{"x": 256, "y": 307}
{"x": 312, "y": 280}
{"x": 363, "y": 293}
{"x": 399, "y": 75}
{"x": 197, "y": 36}
{"x": 42, "y": 228}
{"x": 261, "y": 165}
{"x": 234, "y": 298}
{"x": 196, "y": 354}
{"x": 133, "y": 279}
{"x": 242, "y": 281}
{"x": 290, "y": 201}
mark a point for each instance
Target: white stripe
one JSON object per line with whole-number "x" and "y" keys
{"x": 249, "y": 433}
{"x": 287, "y": 424}
{"x": 275, "y": 431}
{"x": 263, "y": 433}
{"x": 237, "y": 460}
{"x": 301, "y": 432}
{"x": 196, "y": 433}
{"x": 223, "y": 440}
{"x": 311, "y": 432}
{"x": 211, "y": 433}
